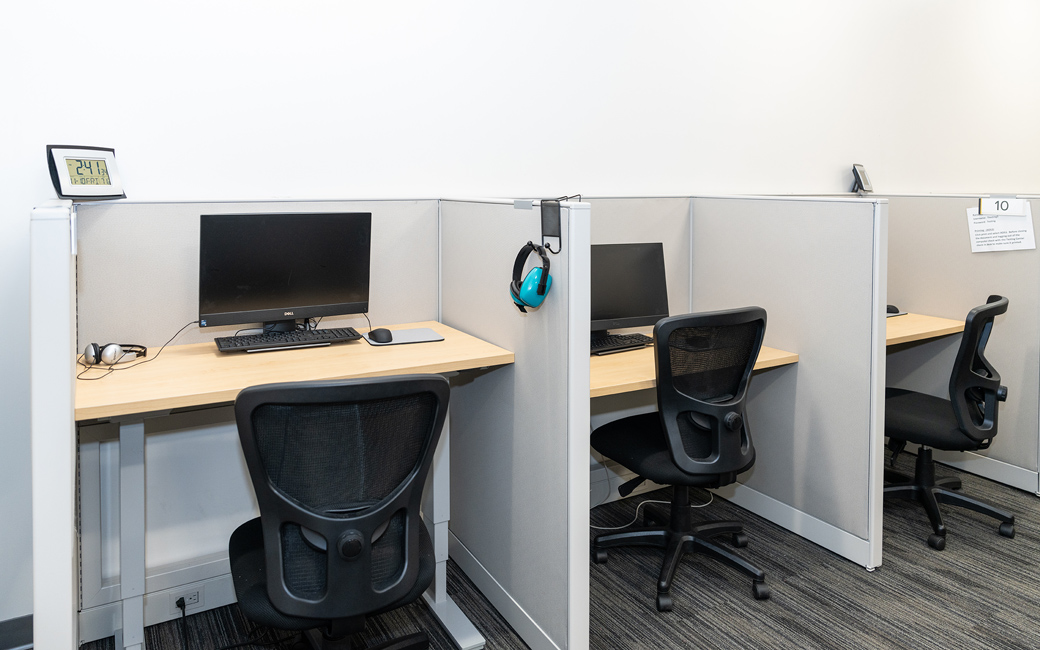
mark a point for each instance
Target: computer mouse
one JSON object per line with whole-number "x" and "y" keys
{"x": 381, "y": 335}
{"x": 892, "y": 309}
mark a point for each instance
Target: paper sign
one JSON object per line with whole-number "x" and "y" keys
{"x": 991, "y": 233}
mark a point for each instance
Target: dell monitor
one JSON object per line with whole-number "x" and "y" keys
{"x": 628, "y": 286}
{"x": 277, "y": 269}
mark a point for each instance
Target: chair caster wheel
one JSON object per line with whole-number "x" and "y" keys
{"x": 739, "y": 540}
{"x": 938, "y": 542}
{"x": 761, "y": 590}
{"x": 664, "y": 603}
{"x": 599, "y": 555}
{"x": 1007, "y": 530}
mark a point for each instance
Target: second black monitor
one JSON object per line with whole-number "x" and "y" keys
{"x": 629, "y": 288}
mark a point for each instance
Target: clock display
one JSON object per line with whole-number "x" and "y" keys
{"x": 88, "y": 171}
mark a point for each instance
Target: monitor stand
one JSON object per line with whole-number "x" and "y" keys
{"x": 280, "y": 326}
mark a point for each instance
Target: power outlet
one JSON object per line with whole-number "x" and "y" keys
{"x": 192, "y": 599}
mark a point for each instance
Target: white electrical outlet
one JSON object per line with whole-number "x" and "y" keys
{"x": 192, "y": 599}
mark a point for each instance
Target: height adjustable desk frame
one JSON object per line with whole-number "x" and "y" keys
{"x": 178, "y": 380}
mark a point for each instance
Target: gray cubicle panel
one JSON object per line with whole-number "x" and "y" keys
{"x": 619, "y": 220}
{"x": 519, "y": 436}
{"x": 638, "y": 220}
{"x": 142, "y": 263}
{"x": 933, "y": 271}
{"x": 817, "y": 267}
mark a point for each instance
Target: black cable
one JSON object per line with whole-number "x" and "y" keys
{"x": 184, "y": 622}
{"x": 255, "y": 641}
{"x": 369, "y": 321}
{"x": 112, "y": 369}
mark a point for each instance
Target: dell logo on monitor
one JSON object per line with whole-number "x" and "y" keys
{"x": 288, "y": 313}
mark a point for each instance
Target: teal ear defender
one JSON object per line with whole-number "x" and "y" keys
{"x": 532, "y": 290}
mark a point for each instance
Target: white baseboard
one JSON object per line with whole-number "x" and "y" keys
{"x": 532, "y": 634}
{"x": 103, "y": 621}
{"x": 826, "y": 535}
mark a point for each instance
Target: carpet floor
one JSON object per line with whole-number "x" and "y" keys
{"x": 982, "y": 592}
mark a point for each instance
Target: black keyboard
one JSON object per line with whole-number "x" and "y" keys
{"x": 285, "y": 340}
{"x": 619, "y": 343}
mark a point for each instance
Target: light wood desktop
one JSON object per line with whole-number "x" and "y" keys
{"x": 196, "y": 375}
{"x": 634, "y": 370}
{"x": 918, "y": 327}
{"x": 624, "y": 372}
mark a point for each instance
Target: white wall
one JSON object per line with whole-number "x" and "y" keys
{"x": 328, "y": 99}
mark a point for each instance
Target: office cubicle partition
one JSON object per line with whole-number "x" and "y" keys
{"x": 818, "y": 268}
{"x": 135, "y": 272}
{"x": 933, "y": 271}
{"x": 520, "y": 510}
{"x": 137, "y": 282}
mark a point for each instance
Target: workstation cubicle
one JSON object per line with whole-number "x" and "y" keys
{"x": 818, "y": 268}
{"x": 933, "y": 270}
{"x": 519, "y": 423}
{"x": 139, "y": 478}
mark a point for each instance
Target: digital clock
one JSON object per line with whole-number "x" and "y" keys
{"x": 83, "y": 173}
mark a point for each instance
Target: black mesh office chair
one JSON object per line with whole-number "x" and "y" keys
{"x": 338, "y": 469}
{"x": 965, "y": 422}
{"x": 698, "y": 437}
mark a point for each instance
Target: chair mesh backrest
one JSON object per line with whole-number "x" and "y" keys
{"x": 328, "y": 456}
{"x": 974, "y": 381}
{"x": 329, "y": 459}
{"x": 709, "y": 359}
{"x": 334, "y": 457}
{"x": 708, "y": 363}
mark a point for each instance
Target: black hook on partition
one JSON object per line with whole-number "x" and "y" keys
{"x": 551, "y": 221}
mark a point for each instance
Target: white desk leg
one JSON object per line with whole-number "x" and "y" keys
{"x": 436, "y": 512}
{"x": 131, "y": 532}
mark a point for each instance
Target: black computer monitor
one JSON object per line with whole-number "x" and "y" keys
{"x": 277, "y": 269}
{"x": 628, "y": 286}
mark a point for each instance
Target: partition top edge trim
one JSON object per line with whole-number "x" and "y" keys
{"x": 884, "y": 195}
{"x": 299, "y": 200}
{"x": 485, "y": 200}
{"x": 865, "y": 200}
{"x": 263, "y": 201}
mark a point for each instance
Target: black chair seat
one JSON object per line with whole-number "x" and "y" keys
{"x": 249, "y": 574}
{"x": 639, "y": 443}
{"x": 925, "y": 420}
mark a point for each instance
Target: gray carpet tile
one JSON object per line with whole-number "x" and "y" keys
{"x": 223, "y": 626}
{"x": 982, "y": 592}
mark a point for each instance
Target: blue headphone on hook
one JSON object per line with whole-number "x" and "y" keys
{"x": 530, "y": 292}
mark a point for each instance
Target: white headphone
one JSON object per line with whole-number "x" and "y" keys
{"x": 112, "y": 353}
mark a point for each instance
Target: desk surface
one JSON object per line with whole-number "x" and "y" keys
{"x": 918, "y": 327}
{"x": 197, "y": 375}
{"x": 634, "y": 370}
